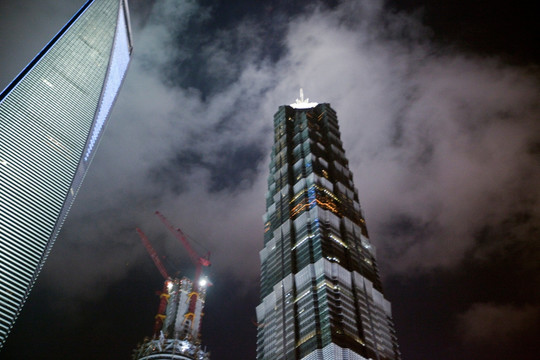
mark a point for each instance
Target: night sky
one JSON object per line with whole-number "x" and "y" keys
{"x": 439, "y": 109}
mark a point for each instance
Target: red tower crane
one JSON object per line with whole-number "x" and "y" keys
{"x": 197, "y": 260}
{"x": 164, "y": 295}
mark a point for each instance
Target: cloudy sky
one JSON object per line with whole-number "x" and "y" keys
{"x": 439, "y": 108}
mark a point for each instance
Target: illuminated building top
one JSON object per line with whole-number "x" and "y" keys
{"x": 303, "y": 103}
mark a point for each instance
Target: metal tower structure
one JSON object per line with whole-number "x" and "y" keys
{"x": 178, "y": 321}
{"x": 321, "y": 296}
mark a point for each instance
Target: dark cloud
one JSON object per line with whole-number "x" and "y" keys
{"x": 443, "y": 145}
{"x": 498, "y": 30}
{"x": 513, "y": 328}
{"x": 489, "y": 322}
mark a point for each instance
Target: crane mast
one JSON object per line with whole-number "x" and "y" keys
{"x": 164, "y": 295}
{"x": 152, "y": 253}
{"x": 197, "y": 260}
{"x": 182, "y": 300}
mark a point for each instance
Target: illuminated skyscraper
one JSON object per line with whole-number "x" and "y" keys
{"x": 321, "y": 296}
{"x": 177, "y": 334}
{"x": 51, "y": 119}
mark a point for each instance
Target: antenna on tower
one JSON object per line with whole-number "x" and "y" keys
{"x": 301, "y": 100}
{"x": 303, "y": 103}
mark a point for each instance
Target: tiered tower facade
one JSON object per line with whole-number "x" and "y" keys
{"x": 321, "y": 295}
{"x": 51, "y": 119}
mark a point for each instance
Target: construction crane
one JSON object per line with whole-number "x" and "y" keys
{"x": 197, "y": 260}
{"x": 164, "y": 295}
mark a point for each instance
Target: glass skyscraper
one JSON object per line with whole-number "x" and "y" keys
{"x": 51, "y": 119}
{"x": 321, "y": 296}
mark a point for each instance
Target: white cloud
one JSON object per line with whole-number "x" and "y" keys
{"x": 438, "y": 139}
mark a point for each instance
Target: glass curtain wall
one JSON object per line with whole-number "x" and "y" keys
{"x": 321, "y": 295}
{"x": 51, "y": 118}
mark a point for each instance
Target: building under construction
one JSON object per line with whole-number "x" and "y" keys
{"x": 178, "y": 321}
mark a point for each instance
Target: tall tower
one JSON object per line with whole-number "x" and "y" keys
{"x": 321, "y": 296}
{"x": 178, "y": 335}
{"x": 178, "y": 322}
{"x": 51, "y": 119}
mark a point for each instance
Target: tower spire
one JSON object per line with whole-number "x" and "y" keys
{"x": 303, "y": 103}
